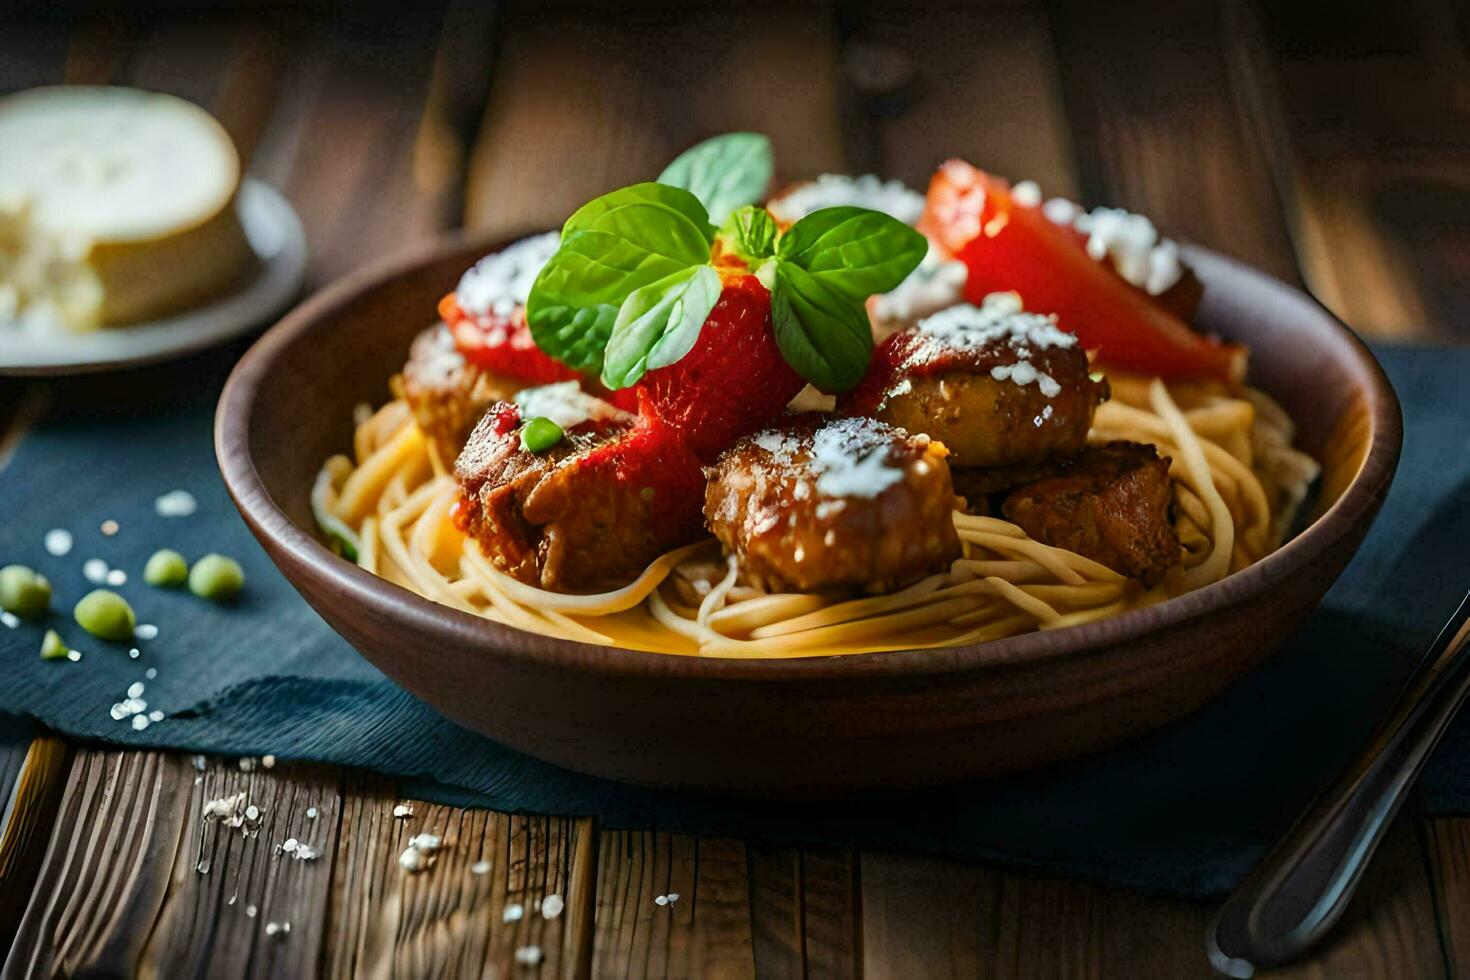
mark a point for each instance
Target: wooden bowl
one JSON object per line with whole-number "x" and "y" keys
{"x": 812, "y": 725}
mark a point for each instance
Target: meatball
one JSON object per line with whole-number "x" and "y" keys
{"x": 1111, "y": 503}
{"x": 821, "y": 504}
{"x": 446, "y": 393}
{"x": 587, "y": 514}
{"x": 997, "y": 386}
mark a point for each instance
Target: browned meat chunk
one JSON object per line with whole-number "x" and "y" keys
{"x": 821, "y": 504}
{"x": 1111, "y": 503}
{"x": 996, "y": 385}
{"x": 589, "y": 513}
{"x": 447, "y": 394}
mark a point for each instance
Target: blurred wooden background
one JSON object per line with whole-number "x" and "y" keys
{"x": 1327, "y": 143}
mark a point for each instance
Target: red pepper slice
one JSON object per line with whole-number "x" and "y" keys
{"x": 1008, "y": 246}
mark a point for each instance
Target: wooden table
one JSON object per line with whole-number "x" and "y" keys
{"x": 1340, "y": 160}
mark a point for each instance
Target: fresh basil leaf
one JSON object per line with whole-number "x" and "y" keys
{"x": 673, "y": 197}
{"x": 724, "y": 172}
{"x": 822, "y": 332}
{"x": 658, "y": 324}
{"x": 856, "y": 251}
{"x": 751, "y": 234}
{"x": 574, "y": 301}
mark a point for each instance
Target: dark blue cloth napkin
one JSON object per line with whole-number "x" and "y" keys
{"x": 1184, "y": 811}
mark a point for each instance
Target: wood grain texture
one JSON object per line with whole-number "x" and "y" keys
{"x": 122, "y": 887}
{"x": 1156, "y": 130}
{"x": 975, "y": 81}
{"x": 702, "y": 928}
{"x": 1365, "y": 122}
{"x": 579, "y": 107}
{"x": 476, "y": 906}
{"x": 805, "y": 906}
{"x": 33, "y": 770}
{"x": 1447, "y": 848}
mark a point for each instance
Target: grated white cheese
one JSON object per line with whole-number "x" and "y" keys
{"x": 837, "y": 190}
{"x": 850, "y": 457}
{"x": 498, "y": 283}
{"x": 1129, "y": 241}
{"x": 565, "y": 403}
{"x": 443, "y": 360}
{"x": 936, "y": 284}
{"x": 998, "y": 319}
{"x": 1027, "y": 193}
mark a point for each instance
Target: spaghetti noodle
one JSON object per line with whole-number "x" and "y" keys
{"x": 1235, "y": 477}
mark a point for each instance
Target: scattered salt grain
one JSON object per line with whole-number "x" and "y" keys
{"x": 311, "y": 813}
{"x": 252, "y": 812}
{"x": 277, "y": 928}
{"x": 250, "y": 911}
{"x": 513, "y": 912}
{"x": 223, "y": 808}
{"x": 199, "y": 763}
{"x": 551, "y": 906}
{"x": 175, "y": 503}
{"x": 427, "y": 843}
{"x": 305, "y": 852}
{"x": 135, "y": 689}
{"x": 109, "y": 528}
{"x": 58, "y": 542}
{"x": 146, "y": 631}
{"x": 529, "y": 955}
{"x": 74, "y": 655}
{"x": 116, "y": 577}
{"x": 247, "y": 764}
{"x": 94, "y": 570}
{"x": 140, "y": 722}
{"x": 290, "y": 845}
{"x": 150, "y": 673}
{"x": 9, "y": 619}
{"x": 155, "y": 715}
{"x": 134, "y": 653}
{"x": 480, "y": 868}
{"x": 661, "y": 901}
{"x": 269, "y": 761}
{"x": 402, "y": 810}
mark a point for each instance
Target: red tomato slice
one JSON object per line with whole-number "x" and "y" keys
{"x": 503, "y": 345}
{"x": 1007, "y": 246}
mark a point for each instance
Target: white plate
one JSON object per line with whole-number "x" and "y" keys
{"x": 279, "y": 243}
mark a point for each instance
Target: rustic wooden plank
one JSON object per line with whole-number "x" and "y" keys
{"x": 1156, "y": 130}
{"x": 238, "y": 902}
{"x": 1447, "y": 842}
{"x": 123, "y": 887}
{"x": 1390, "y": 929}
{"x": 105, "y": 873}
{"x": 476, "y": 907}
{"x": 340, "y": 142}
{"x": 671, "y": 906}
{"x": 1359, "y": 124}
{"x": 579, "y": 107}
{"x": 805, "y": 908}
{"x": 926, "y": 917}
{"x": 228, "y": 62}
{"x": 979, "y": 82}
{"x": 943, "y": 918}
{"x": 33, "y": 770}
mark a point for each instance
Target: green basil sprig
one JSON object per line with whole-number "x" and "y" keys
{"x": 632, "y": 284}
{"x": 724, "y": 172}
{"x": 611, "y": 247}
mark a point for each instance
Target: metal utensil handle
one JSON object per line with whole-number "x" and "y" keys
{"x": 1300, "y": 889}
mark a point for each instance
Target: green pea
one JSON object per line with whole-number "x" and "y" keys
{"x": 166, "y": 569}
{"x": 24, "y": 592}
{"x": 540, "y": 434}
{"x": 216, "y": 577}
{"x": 53, "y": 647}
{"x": 106, "y": 615}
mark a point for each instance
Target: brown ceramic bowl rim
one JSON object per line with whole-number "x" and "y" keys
{"x": 420, "y": 616}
